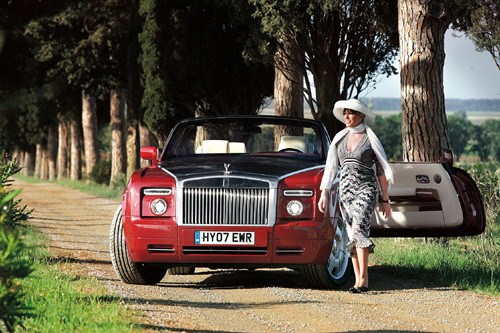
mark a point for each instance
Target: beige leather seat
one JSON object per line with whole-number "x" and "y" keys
{"x": 237, "y": 148}
{"x": 294, "y": 142}
{"x": 213, "y": 147}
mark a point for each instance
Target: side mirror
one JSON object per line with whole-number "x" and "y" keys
{"x": 150, "y": 153}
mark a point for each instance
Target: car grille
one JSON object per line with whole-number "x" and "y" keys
{"x": 225, "y": 206}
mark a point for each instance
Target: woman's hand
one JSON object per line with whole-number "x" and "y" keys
{"x": 322, "y": 200}
{"x": 386, "y": 206}
{"x": 386, "y": 209}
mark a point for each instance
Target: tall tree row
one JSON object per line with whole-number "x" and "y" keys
{"x": 103, "y": 62}
{"x": 71, "y": 69}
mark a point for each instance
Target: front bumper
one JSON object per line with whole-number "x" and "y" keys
{"x": 163, "y": 241}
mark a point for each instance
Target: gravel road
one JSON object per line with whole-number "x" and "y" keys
{"x": 274, "y": 300}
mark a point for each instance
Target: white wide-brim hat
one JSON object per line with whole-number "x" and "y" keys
{"x": 355, "y": 105}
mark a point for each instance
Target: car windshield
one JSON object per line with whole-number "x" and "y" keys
{"x": 293, "y": 139}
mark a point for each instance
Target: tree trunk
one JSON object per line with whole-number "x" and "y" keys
{"x": 76, "y": 159}
{"x": 44, "y": 164}
{"x": 62, "y": 150}
{"x": 28, "y": 163}
{"x": 89, "y": 125}
{"x": 424, "y": 122}
{"x": 52, "y": 153}
{"x": 118, "y": 154}
{"x": 326, "y": 96}
{"x": 38, "y": 160}
{"x": 288, "y": 91}
{"x": 132, "y": 147}
{"x": 145, "y": 139}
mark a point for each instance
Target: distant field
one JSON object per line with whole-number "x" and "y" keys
{"x": 475, "y": 117}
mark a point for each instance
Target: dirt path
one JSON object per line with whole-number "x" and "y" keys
{"x": 244, "y": 301}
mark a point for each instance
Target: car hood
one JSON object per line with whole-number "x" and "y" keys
{"x": 269, "y": 168}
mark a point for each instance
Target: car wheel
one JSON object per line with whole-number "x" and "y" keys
{"x": 336, "y": 271}
{"x": 181, "y": 270}
{"x": 127, "y": 270}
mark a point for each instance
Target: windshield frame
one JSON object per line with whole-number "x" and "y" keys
{"x": 178, "y": 130}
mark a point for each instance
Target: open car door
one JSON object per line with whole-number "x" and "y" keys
{"x": 431, "y": 200}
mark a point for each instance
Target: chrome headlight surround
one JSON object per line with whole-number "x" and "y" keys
{"x": 295, "y": 208}
{"x": 159, "y": 206}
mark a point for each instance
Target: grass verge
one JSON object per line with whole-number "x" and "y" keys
{"x": 458, "y": 264}
{"x": 62, "y": 302}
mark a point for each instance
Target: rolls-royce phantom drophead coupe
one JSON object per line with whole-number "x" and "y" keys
{"x": 242, "y": 192}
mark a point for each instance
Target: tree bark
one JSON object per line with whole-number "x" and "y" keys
{"x": 38, "y": 160}
{"x": 28, "y": 163}
{"x": 52, "y": 153}
{"x": 62, "y": 150}
{"x": 424, "y": 122}
{"x": 89, "y": 126}
{"x": 132, "y": 147}
{"x": 44, "y": 164}
{"x": 288, "y": 91}
{"x": 76, "y": 159}
{"x": 145, "y": 139}
{"x": 118, "y": 153}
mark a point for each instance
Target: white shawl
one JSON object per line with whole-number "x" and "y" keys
{"x": 332, "y": 160}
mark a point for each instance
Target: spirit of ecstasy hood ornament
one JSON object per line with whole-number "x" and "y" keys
{"x": 227, "y": 166}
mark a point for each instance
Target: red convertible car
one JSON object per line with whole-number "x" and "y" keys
{"x": 242, "y": 192}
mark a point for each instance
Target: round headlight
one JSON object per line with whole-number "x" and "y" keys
{"x": 158, "y": 206}
{"x": 295, "y": 208}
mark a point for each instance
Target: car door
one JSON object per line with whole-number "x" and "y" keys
{"x": 430, "y": 200}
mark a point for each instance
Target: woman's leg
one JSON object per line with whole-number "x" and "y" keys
{"x": 356, "y": 268}
{"x": 362, "y": 258}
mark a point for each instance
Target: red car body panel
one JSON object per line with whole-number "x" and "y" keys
{"x": 307, "y": 240}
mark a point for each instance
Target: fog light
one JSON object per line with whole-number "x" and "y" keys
{"x": 295, "y": 208}
{"x": 158, "y": 206}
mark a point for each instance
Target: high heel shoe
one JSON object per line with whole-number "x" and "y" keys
{"x": 355, "y": 290}
{"x": 363, "y": 289}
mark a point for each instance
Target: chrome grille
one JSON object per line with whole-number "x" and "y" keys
{"x": 218, "y": 206}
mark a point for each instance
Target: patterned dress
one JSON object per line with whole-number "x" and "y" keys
{"x": 358, "y": 190}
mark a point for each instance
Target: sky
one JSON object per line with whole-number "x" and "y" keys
{"x": 468, "y": 74}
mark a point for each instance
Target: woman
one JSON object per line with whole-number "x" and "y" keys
{"x": 356, "y": 149}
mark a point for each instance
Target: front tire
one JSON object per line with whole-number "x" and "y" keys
{"x": 127, "y": 270}
{"x": 336, "y": 271}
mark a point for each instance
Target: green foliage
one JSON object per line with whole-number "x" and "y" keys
{"x": 65, "y": 302}
{"x": 460, "y": 131}
{"x": 157, "y": 111}
{"x": 101, "y": 173}
{"x": 192, "y": 62}
{"x": 483, "y": 140}
{"x": 492, "y": 131}
{"x": 14, "y": 265}
{"x": 2, "y": 39}
{"x": 388, "y": 130}
{"x": 346, "y": 45}
{"x": 481, "y": 24}
{"x": 81, "y": 42}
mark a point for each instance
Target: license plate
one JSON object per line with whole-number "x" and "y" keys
{"x": 225, "y": 237}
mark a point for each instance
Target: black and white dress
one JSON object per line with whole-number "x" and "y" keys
{"x": 358, "y": 190}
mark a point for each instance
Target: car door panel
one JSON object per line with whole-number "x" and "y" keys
{"x": 430, "y": 199}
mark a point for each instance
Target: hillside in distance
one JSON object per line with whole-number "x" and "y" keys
{"x": 394, "y": 104}
{"x": 452, "y": 105}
